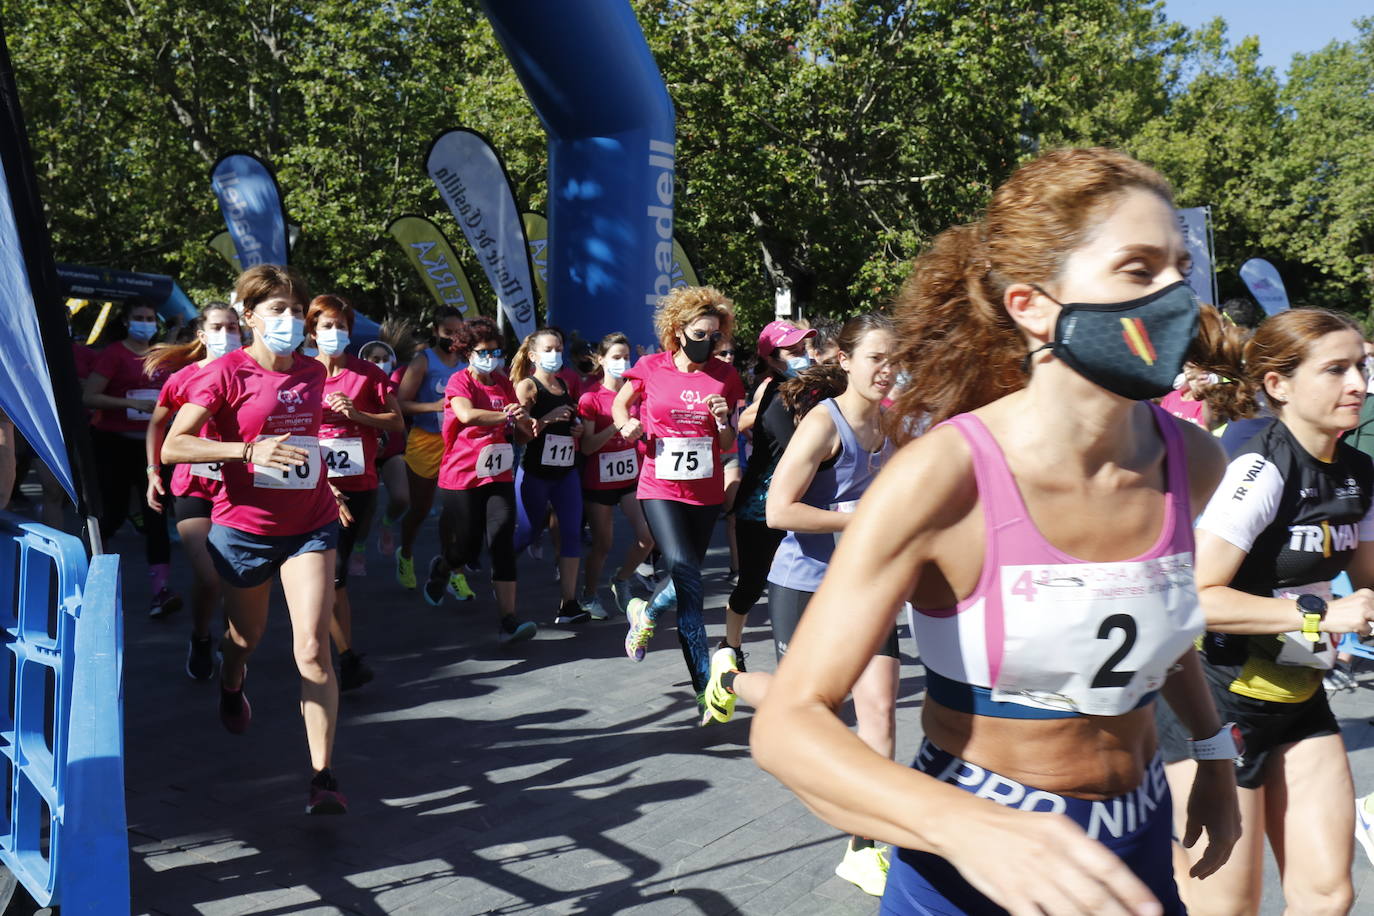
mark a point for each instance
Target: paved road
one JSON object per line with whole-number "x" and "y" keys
{"x": 561, "y": 778}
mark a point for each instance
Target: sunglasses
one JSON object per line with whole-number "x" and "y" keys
{"x": 493, "y": 352}
{"x": 730, "y": 353}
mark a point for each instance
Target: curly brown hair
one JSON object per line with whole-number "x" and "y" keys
{"x": 685, "y": 304}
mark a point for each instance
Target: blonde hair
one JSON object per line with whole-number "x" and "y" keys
{"x": 522, "y": 364}
{"x": 685, "y": 304}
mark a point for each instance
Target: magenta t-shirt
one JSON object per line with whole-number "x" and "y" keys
{"x": 594, "y": 407}
{"x": 1192, "y": 411}
{"x": 367, "y": 386}
{"x": 394, "y": 443}
{"x": 173, "y": 396}
{"x": 246, "y": 401}
{"x": 676, "y": 421}
{"x": 124, "y": 370}
{"x": 476, "y": 455}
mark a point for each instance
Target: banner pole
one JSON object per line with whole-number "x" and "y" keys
{"x": 1212, "y": 248}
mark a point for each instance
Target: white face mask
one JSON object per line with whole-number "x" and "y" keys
{"x": 332, "y": 341}
{"x": 551, "y": 360}
{"x": 282, "y": 333}
{"x": 615, "y": 368}
{"x": 386, "y": 366}
{"x": 218, "y": 343}
{"x": 484, "y": 363}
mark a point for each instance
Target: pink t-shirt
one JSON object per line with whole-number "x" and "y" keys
{"x": 246, "y": 401}
{"x": 368, "y": 386}
{"x": 476, "y": 455}
{"x": 85, "y": 359}
{"x": 1192, "y": 411}
{"x": 173, "y": 396}
{"x": 124, "y": 370}
{"x": 673, "y": 407}
{"x": 595, "y": 409}
{"x": 394, "y": 444}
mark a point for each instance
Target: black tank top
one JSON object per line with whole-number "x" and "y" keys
{"x": 561, "y": 455}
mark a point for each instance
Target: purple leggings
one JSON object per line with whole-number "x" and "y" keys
{"x": 534, "y": 495}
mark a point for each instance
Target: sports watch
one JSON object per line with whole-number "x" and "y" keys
{"x": 1313, "y": 610}
{"x": 1226, "y": 744}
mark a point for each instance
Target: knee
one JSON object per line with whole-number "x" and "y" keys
{"x": 1335, "y": 899}
{"x": 312, "y": 659}
{"x": 878, "y": 711}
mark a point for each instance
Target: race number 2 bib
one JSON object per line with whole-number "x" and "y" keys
{"x": 343, "y": 457}
{"x": 685, "y": 458}
{"x": 297, "y": 477}
{"x": 617, "y": 467}
{"x": 140, "y": 394}
{"x": 1295, "y": 648}
{"x": 495, "y": 459}
{"x": 1094, "y": 638}
{"x": 208, "y": 470}
{"x": 558, "y": 451}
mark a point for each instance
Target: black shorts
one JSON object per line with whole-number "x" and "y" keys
{"x": 186, "y": 507}
{"x": 606, "y": 497}
{"x": 1267, "y": 725}
{"x": 785, "y": 609}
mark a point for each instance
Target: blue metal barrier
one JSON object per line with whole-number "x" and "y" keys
{"x": 62, "y": 720}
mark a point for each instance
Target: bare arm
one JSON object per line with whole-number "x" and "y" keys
{"x": 594, "y": 438}
{"x": 410, "y": 387}
{"x": 750, "y": 415}
{"x": 152, "y": 438}
{"x": 625, "y": 398}
{"x": 815, "y": 441}
{"x": 93, "y": 395}
{"x": 473, "y": 416}
{"x": 183, "y": 446}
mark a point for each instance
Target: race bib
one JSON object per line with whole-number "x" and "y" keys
{"x": 1295, "y": 648}
{"x": 558, "y": 451}
{"x": 687, "y": 458}
{"x": 140, "y": 394}
{"x": 617, "y": 467}
{"x": 343, "y": 457}
{"x": 1094, "y": 638}
{"x": 208, "y": 470}
{"x": 297, "y": 477}
{"x": 495, "y": 459}
{"x": 846, "y": 507}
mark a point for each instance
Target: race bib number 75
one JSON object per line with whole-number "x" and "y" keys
{"x": 683, "y": 458}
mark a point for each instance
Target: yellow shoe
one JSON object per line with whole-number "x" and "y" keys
{"x": 458, "y": 587}
{"x": 865, "y": 868}
{"x": 719, "y": 703}
{"x": 405, "y": 570}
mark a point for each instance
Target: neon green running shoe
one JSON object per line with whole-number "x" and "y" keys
{"x": 865, "y": 868}
{"x": 458, "y": 587}
{"x": 719, "y": 703}
{"x": 405, "y": 570}
{"x": 641, "y": 629}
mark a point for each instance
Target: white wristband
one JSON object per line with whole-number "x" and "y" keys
{"x": 1226, "y": 744}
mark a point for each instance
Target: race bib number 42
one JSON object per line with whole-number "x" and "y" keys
{"x": 297, "y": 477}
{"x": 343, "y": 457}
{"x": 686, "y": 458}
{"x": 495, "y": 459}
{"x": 617, "y": 467}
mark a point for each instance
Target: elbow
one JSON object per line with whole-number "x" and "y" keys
{"x": 766, "y": 740}
{"x": 169, "y": 453}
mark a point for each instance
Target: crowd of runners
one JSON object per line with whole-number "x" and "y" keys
{"x": 1025, "y": 456}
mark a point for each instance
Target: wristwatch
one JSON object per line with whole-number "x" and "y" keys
{"x": 1313, "y": 610}
{"x": 1226, "y": 744}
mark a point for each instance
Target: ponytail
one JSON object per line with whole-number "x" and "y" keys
{"x": 522, "y": 364}
{"x": 810, "y": 387}
{"x": 1219, "y": 349}
{"x": 171, "y": 357}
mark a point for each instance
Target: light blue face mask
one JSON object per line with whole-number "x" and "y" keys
{"x": 282, "y": 333}
{"x": 797, "y": 364}
{"x": 615, "y": 368}
{"x": 142, "y": 330}
{"x": 551, "y": 360}
{"x": 485, "y": 364}
{"x": 332, "y": 341}
{"x": 220, "y": 342}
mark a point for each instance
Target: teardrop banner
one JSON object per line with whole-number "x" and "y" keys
{"x": 537, "y": 236}
{"x": 473, "y": 182}
{"x": 429, "y": 251}
{"x": 222, "y": 243}
{"x": 1265, "y": 285}
{"x": 251, "y": 202}
{"x": 1195, "y": 223}
{"x": 683, "y": 273}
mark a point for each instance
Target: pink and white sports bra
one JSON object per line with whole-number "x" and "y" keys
{"x": 1047, "y": 635}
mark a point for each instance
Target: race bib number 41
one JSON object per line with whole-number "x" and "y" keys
{"x": 495, "y": 459}
{"x": 343, "y": 457}
{"x": 297, "y": 477}
{"x": 686, "y": 458}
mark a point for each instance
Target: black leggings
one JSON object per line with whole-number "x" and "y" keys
{"x": 361, "y": 504}
{"x": 785, "y": 609}
{"x": 683, "y": 535}
{"x": 468, "y": 515}
{"x": 119, "y": 473}
{"x": 757, "y": 544}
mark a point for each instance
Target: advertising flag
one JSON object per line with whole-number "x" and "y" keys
{"x": 1195, "y": 222}
{"x": 433, "y": 257}
{"x": 1265, "y": 285}
{"x": 537, "y": 235}
{"x": 683, "y": 273}
{"x": 222, "y": 243}
{"x": 473, "y": 182}
{"x": 251, "y": 203}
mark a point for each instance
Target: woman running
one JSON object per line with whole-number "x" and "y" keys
{"x": 547, "y": 476}
{"x": 477, "y": 475}
{"x": 124, "y": 395}
{"x": 193, "y": 486}
{"x": 1292, "y": 512}
{"x": 391, "y": 462}
{"x": 833, "y": 457}
{"x": 276, "y": 510}
{"x": 359, "y": 408}
{"x": 730, "y": 461}
{"x": 422, "y": 399}
{"x": 609, "y": 477}
{"x": 1049, "y": 552}
{"x": 684, "y": 396}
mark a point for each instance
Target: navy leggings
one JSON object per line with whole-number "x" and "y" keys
{"x": 534, "y": 495}
{"x": 683, "y": 533}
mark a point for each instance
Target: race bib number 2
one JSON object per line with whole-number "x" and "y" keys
{"x": 297, "y": 477}
{"x": 688, "y": 458}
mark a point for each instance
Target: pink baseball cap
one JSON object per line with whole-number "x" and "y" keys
{"x": 781, "y": 334}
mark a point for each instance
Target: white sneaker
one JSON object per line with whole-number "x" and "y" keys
{"x": 1364, "y": 826}
{"x": 592, "y": 605}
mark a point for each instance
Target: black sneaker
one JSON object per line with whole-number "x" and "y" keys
{"x": 437, "y": 582}
{"x": 570, "y": 613}
{"x": 200, "y": 658}
{"x": 164, "y": 602}
{"x": 740, "y": 655}
{"x": 325, "y": 797}
{"x": 512, "y": 630}
{"x": 353, "y": 671}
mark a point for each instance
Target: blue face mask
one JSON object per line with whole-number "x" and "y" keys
{"x": 551, "y": 360}
{"x": 142, "y": 330}
{"x": 332, "y": 341}
{"x": 797, "y": 364}
{"x": 485, "y": 362}
{"x": 282, "y": 333}
{"x": 220, "y": 342}
{"x": 615, "y": 368}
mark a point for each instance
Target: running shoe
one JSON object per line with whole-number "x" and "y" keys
{"x": 865, "y": 868}
{"x": 164, "y": 602}
{"x": 593, "y": 606}
{"x": 740, "y": 655}
{"x": 357, "y": 564}
{"x": 405, "y": 570}
{"x": 235, "y": 712}
{"x": 513, "y": 631}
{"x": 386, "y": 540}
{"x": 621, "y": 591}
{"x": 535, "y": 550}
{"x": 325, "y": 797}
{"x": 719, "y": 704}
{"x": 570, "y": 613}
{"x": 353, "y": 671}
{"x": 641, "y": 629}
{"x": 1338, "y": 679}
{"x": 1364, "y": 825}
{"x": 200, "y": 658}
{"x": 458, "y": 587}
{"x": 437, "y": 582}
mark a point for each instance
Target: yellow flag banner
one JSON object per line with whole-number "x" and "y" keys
{"x": 683, "y": 273}
{"x": 537, "y": 237}
{"x": 223, "y": 244}
{"x": 430, "y": 252}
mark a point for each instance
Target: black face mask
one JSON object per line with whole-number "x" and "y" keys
{"x": 445, "y": 344}
{"x": 698, "y": 351}
{"x": 1134, "y": 349}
